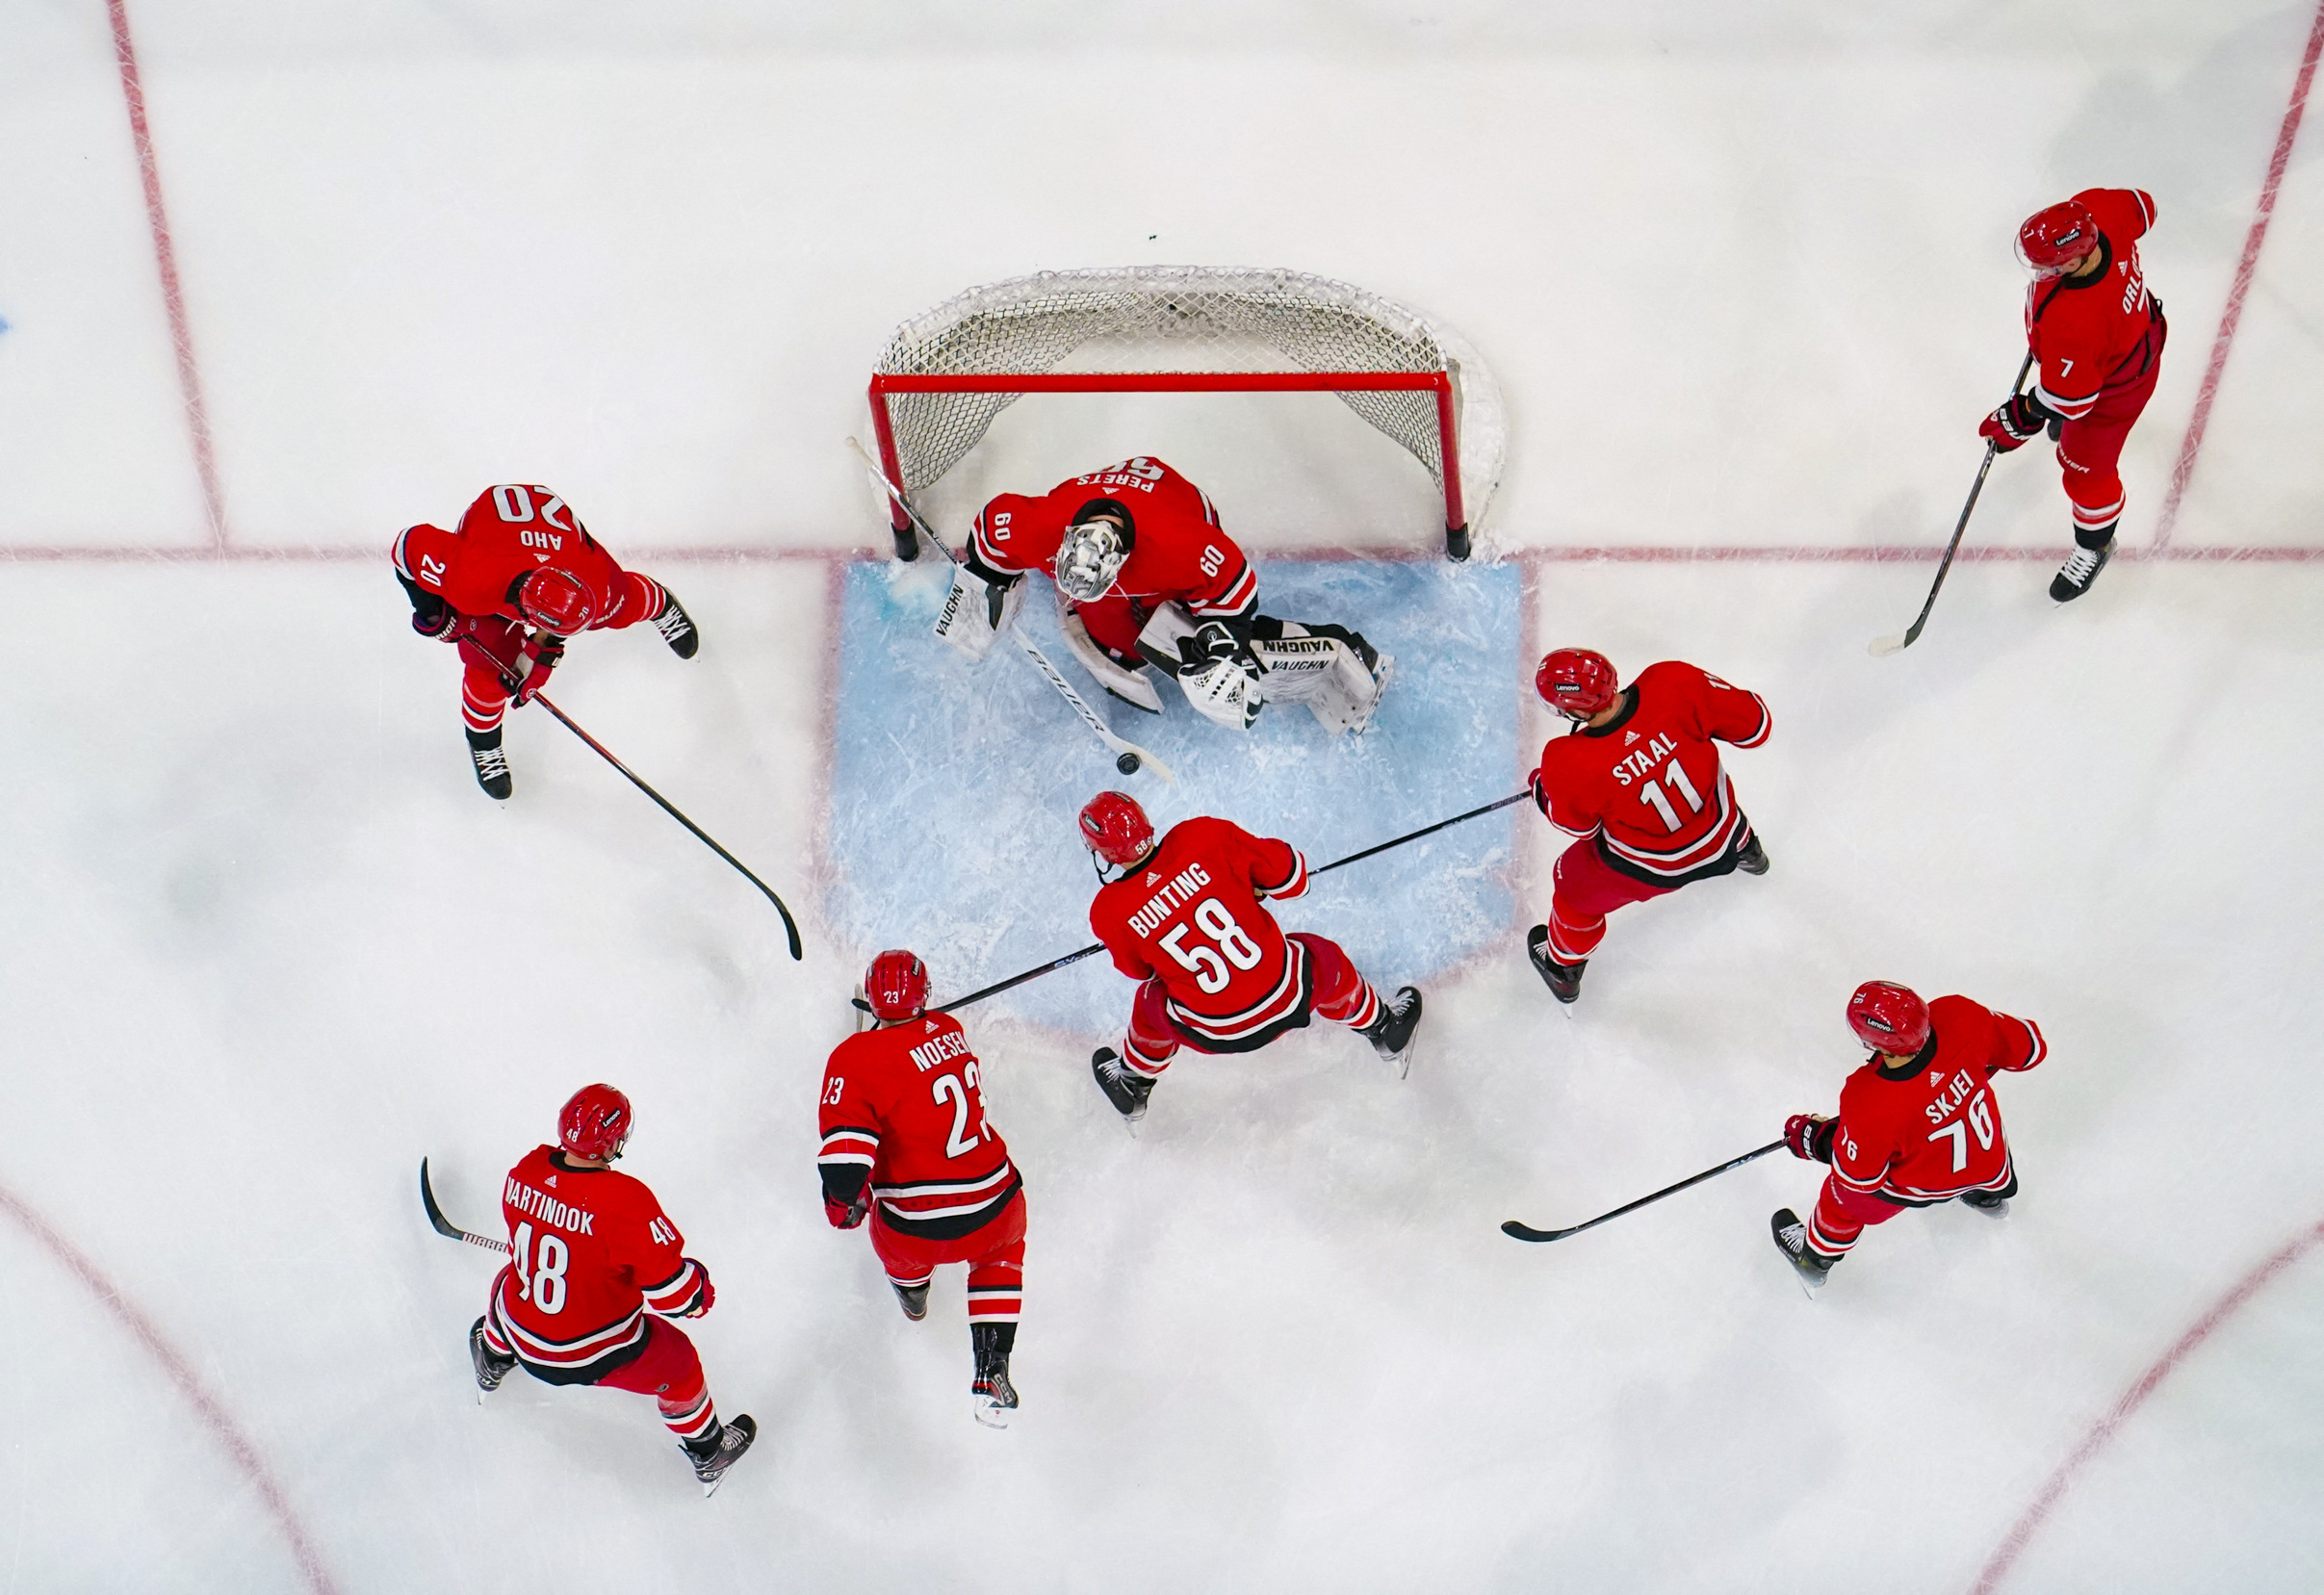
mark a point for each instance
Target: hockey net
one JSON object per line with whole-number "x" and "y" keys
{"x": 948, "y": 373}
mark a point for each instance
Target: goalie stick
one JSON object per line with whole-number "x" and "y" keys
{"x": 445, "y": 1226}
{"x": 1882, "y": 647}
{"x": 512, "y": 682}
{"x": 1057, "y": 963}
{"x": 1525, "y": 1233}
{"x": 1129, "y": 758}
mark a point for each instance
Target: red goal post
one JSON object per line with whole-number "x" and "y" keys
{"x": 948, "y": 374}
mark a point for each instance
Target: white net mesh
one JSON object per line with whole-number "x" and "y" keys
{"x": 1172, "y": 319}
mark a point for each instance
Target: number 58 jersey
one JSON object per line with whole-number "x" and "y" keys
{"x": 1648, "y": 784}
{"x": 907, "y": 1102}
{"x": 1191, "y": 918}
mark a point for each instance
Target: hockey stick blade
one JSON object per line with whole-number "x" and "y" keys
{"x": 445, "y": 1226}
{"x": 1517, "y": 1232}
{"x": 1880, "y": 648}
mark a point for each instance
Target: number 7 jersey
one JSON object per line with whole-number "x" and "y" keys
{"x": 1648, "y": 784}
{"x": 907, "y": 1102}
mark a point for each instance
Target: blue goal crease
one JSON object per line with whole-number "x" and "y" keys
{"x": 955, "y": 786}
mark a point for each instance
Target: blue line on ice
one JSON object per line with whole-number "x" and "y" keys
{"x": 954, "y": 786}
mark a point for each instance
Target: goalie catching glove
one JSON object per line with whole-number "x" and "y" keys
{"x": 977, "y": 611}
{"x": 1220, "y": 676}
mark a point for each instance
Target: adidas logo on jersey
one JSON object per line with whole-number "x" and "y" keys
{"x": 551, "y": 1182}
{"x": 1629, "y": 738}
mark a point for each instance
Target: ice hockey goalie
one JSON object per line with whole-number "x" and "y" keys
{"x": 1147, "y": 577}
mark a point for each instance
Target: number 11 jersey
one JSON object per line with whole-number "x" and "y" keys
{"x": 1649, "y": 782}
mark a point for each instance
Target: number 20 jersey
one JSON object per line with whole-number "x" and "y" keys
{"x": 907, "y": 1101}
{"x": 1191, "y": 916}
{"x": 1649, "y": 782}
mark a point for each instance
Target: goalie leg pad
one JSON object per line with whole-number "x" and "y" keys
{"x": 1326, "y": 668}
{"x": 1132, "y": 687}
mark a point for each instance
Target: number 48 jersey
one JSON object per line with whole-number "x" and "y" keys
{"x": 1191, "y": 918}
{"x": 906, "y": 1102}
{"x": 1648, "y": 784}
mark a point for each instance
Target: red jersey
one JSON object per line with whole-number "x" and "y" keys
{"x": 1191, "y": 916}
{"x": 1177, "y": 550}
{"x": 2102, "y": 333}
{"x": 905, "y": 1101}
{"x": 510, "y": 529}
{"x": 1648, "y": 784}
{"x": 592, "y": 1255}
{"x": 1933, "y": 1130}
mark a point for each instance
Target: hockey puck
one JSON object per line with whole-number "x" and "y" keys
{"x": 1128, "y": 763}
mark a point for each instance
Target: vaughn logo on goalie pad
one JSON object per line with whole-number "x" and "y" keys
{"x": 1325, "y": 674}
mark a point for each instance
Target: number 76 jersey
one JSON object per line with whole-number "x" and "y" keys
{"x": 1648, "y": 784}
{"x": 907, "y": 1102}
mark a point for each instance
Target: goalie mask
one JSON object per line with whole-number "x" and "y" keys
{"x": 1093, "y": 550}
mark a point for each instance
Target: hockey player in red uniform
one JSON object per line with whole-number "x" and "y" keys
{"x": 597, "y": 1270}
{"x": 1184, "y": 917}
{"x": 906, "y": 1141}
{"x": 520, "y": 557}
{"x": 2096, "y": 335}
{"x": 1918, "y": 1123}
{"x": 1637, "y": 780}
{"x": 1145, "y": 575}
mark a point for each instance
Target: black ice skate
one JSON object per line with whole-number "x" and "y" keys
{"x": 1992, "y": 1203}
{"x": 491, "y": 1369}
{"x": 1791, "y": 1240}
{"x": 2080, "y": 569}
{"x": 1391, "y": 1034}
{"x": 995, "y": 1398}
{"x": 492, "y": 764}
{"x": 912, "y": 1299}
{"x": 676, "y": 627}
{"x": 720, "y": 1452}
{"x": 1563, "y": 980}
{"x": 1753, "y": 859}
{"x": 1123, "y": 1086}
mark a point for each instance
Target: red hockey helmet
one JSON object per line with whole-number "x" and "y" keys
{"x": 594, "y": 1123}
{"x": 2055, "y": 237}
{"x": 551, "y": 599}
{"x": 1576, "y": 682}
{"x": 1117, "y": 830}
{"x": 896, "y": 986}
{"x": 1888, "y": 1018}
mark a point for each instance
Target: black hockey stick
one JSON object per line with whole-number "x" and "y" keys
{"x": 790, "y": 926}
{"x": 1525, "y": 1233}
{"x": 1056, "y": 963}
{"x": 1882, "y": 647}
{"x": 445, "y": 1226}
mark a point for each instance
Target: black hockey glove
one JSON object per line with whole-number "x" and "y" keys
{"x": 846, "y": 1194}
{"x": 1219, "y": 640}
{"x": 430, "y": 615}
{"x": 1810, "y": 1135}
{"x": 1532, "y": 783}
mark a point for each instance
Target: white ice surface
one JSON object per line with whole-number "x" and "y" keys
{"x": 1742, "y": 281}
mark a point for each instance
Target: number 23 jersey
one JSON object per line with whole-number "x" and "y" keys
{"x": 907, "y": 1102}
{"x": 1649, "y": 782}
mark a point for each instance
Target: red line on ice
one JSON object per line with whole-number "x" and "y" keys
{"x": 2192, "y": 444}
{"x": 164, "y": 255}
{"x": 76, "y": 1263}
{"x": 2013, "y": 1544}
{"x": 1651, "y": 553}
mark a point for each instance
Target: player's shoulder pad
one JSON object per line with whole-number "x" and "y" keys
{"x": 1956, "y": 1010}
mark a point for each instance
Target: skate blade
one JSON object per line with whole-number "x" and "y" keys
{"x": 991, "y": 1414}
